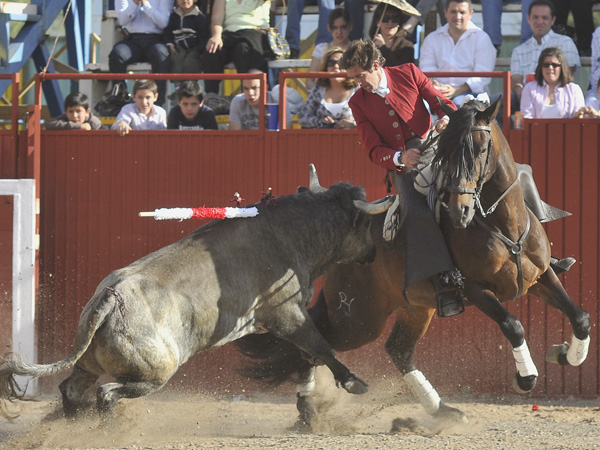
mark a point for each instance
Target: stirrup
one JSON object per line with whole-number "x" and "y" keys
{"x": 561, "y": 265}
{"x": 449, "y": 302}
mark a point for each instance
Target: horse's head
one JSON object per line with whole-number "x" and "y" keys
{"x": 467, "y": 156}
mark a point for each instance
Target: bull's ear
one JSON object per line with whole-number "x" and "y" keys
{"x": 301, "y": 189}
{"x": 491, "y": 111}
{"x": 449, "y": 111}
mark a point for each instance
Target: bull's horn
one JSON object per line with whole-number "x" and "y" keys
{"x": 313, "y": 182}
{"x": 376, "y": 207}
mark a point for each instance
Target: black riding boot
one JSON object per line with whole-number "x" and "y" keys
{"x": 448, "y": 293}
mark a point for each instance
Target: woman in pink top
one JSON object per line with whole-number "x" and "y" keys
{"x": 553, "y": 94}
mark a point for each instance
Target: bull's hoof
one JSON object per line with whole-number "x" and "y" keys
{"x": 523, "y": 385}
{"x": 557, "y": 354}
{"x": 356, "y": 386}
{"x": 450, "y": 415}
{"x": 306, "y": 409}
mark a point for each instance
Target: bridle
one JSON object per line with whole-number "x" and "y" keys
{"x": 515, "y": 248}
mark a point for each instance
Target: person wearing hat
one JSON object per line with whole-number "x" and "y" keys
{"x": 392, "y": 121}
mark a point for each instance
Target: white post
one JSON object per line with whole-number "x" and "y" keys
{"x": 25, "y": 244}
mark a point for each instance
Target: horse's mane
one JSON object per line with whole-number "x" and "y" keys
{"x": 456, "y": 142}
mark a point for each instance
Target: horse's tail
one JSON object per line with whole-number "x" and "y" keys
{"x": 275, "y": 361}
{"x": 10, "y": 390}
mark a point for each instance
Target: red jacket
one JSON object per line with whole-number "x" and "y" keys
{"x": 382, "y": 134}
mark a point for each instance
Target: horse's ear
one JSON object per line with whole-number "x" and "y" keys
{"x": 491, "y": 111}
{"x": 449, "y": 111}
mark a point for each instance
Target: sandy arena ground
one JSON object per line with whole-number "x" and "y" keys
{"x": 170, "y": 420}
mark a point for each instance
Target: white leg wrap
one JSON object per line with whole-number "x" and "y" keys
{"x": 525, "y": 365}
{"x": 423, "y": 390}
{"x": 578, "y": 350}
{"x": 388, "y": 230}
{"x": 307, "y": 388}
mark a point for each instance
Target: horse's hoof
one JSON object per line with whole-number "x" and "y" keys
{"x": 557, "y": 354}
{"x": 356, "y": 386}
{"x": 523, "y": 385}
{"x": 450, "y": 414}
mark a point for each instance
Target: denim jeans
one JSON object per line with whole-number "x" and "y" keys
{"x": 491, "y": 10}
{"x": 141, "y": 47}
{"x": 294, "y": 14}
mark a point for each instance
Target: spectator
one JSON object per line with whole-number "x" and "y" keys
{"x": 389, "y": 37}
{"x": 143, "y": 114}
{"x": 591, "y": 95}
{"x": 143, "y": 22}
{"x": 458, "y": 46}
{"x": 295, "y": 8}
{"x": 190, "y": 112}
{"x": 583, "y": 17}
{"x": 235, "y": 37}
{"x": 416, "y": 9}
{"x": 524, "y": 57}
{"x": 552, "y": 95}
{"x": 339, "y": 26}
{"x": 244, "y": 111}
{"x": 327, "y": 102}
{"x": 593, "y": 103}
{"x": 186, "y": 35}
{"x": 491, "y": 11}
{"x": 77, "y": 115}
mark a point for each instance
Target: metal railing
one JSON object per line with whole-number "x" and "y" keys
{"x": 283, "y": 76}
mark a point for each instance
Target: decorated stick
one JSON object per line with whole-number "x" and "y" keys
{"x": 200, "y": 213}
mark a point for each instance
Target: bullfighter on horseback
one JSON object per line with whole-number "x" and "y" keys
{"x": 393, "y": 121}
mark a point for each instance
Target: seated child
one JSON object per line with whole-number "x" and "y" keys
{"x": 190, "y": 112}
{"x": 244, "y": 111}
{"x": 143, "y": 114}
{"x": 186, "y": 35}
{"x": 77, "y": 115}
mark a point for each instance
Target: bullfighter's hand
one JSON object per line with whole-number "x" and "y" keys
{"x": 441, "y": 124}
{"x": 411, "y": 157}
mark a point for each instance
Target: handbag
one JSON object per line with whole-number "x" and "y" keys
{"x": 278, "y": 45}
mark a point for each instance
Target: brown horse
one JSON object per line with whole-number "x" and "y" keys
{"x": 505, "y": 256}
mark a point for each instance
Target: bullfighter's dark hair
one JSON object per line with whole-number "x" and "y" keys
{"x": 145, "y": 84}
{"x": 565, "y": 73}
{"x": 77, "y": 99}
{"x": 189, "y": 89}
{"x": 547, "y": 3}
{"x": 362, "y": 53}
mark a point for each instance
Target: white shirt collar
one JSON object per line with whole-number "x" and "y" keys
{"x": 382, "y": 90}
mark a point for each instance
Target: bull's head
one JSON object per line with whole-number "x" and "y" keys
{"x": 359, "y": 241}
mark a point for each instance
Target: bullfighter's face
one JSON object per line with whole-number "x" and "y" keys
{"x": 367, "y": 79}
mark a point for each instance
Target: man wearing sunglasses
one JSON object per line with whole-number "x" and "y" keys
{"x": 458, "y": 46}
{"x": 392, "y": 121}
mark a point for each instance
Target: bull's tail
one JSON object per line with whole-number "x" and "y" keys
{"x": 275, "y": 361}
{"x": 10, "y": 390}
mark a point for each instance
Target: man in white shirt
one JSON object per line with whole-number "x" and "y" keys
{"x": 458, "y": 46}
{"x": 524, "y": 58}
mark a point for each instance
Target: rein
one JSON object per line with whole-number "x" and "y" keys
{"x": 515, "y": 248}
